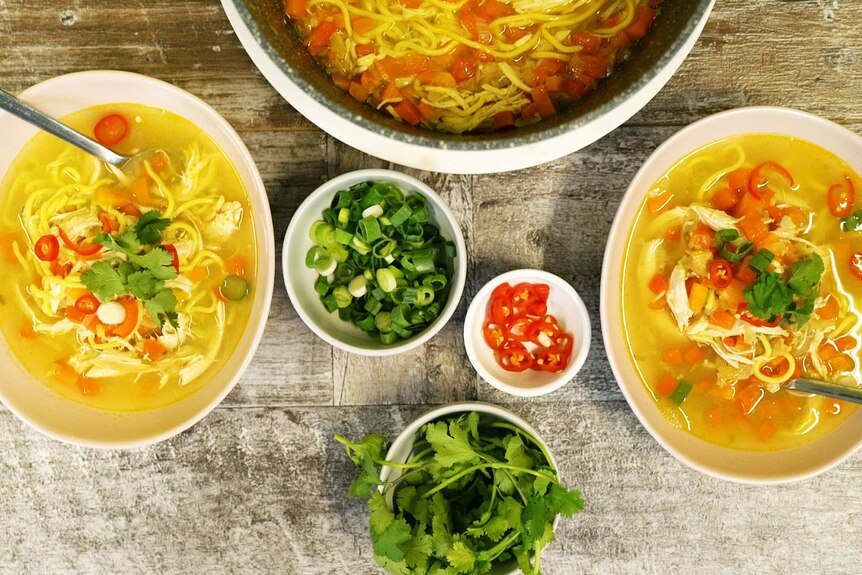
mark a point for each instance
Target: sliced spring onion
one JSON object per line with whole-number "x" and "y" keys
{"x": 234, "y": 288}
{"x": 374, "y": 211}
{"x": 383, "y": 265}
{"x": 342, "y": 295}
{"x": 760, "y": 260}
{"x": 739, "y": 254}
{"x": 358, "y": 286}
{"x": 724, "y": 236}
{"x": 681, "y": 392}
{"x": 386, "y": 280}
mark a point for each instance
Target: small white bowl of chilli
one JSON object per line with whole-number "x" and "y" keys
{"x": 133, "y": 298}
{"x": 374, "y": 262}
{"x": 734, "y": 266}
{"x": 527, "y": 332}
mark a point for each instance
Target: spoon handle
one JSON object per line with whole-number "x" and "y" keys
{"x": 29, "y": 114}
{"x": 833, "y": 390}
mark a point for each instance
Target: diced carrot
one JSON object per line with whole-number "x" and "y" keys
{"x": 826, "y": 352}
{"x": 773, "y": 243}
{"x": 412, "y": 64}
{"x": 693, "y": 355}
{"x": 437, "y": 78}
{"x": 543, "y": 102}
{"x": 109, "y": 223}
{"x": 659, "y": 200}
{"x": 6, "y": 241}
{"x": 160, "y": 162}
{"x": 320, "y": 36}
{"x": 753, "y": 228}
{"x": 841, "y": 363}
{"x": 766, "y": 431}
{"x": 129, "y": 210}
{"x": 673, "y": 233}
{"x": 113, "y": 197}
{"x": 738, "y": 180}
{"x": 665, "y": 386}
{"x": 796, "y": 214}
{"x": 530, "y": 112}
{"x": 369, "y": 80}
{"x": 554, "y": 84}
{"x": 830, "y": 308}
{"x": 26, "y": 331}
{"x": 198, "y": 274}
{"x": 141, "y": 190}
{"x": 588, "y": 42}
{"x": 697, "y": 299}
{"x": 725, "y": 199}
{"x": 89, "y": 386}
{"x": 722, "y": 319}
{"x": 745, "y": 274}
{"x": 391, "y": 94}
{"x": 296, "y": 9}
{"x": 748, "y": 397}
{"x": 846, "y": 342}
{"x": 715, "y": 416}
{"x": 342, "y": 80}
{"x": 658, "y": 284}
{"x": 672, "y": 356}
{"x": 365, "y": 49}
{"x": 65, "y": 373}
{"x": 154, "y": 349}
{"x": 131, "y": 320}
{"x": 748, "y": 206}
{"x": 640, "y": 25}
{"x": 588, "y": 67}
{"x": 410, "y": 3}
{"x": 358, "y": 91}
{"x": 429, "y": 112}
{"x": 659, "y": 303}
{"x": 703, "y": 238}
{"x": 235, "y": 265}
{"x": 74, "y": 314}
{"x": 503, "y": 120}
{"x": 408, "y": 112}
{"x": 363, "y": 26}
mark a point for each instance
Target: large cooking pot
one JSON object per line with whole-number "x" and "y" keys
{"x": 278, "y": 52}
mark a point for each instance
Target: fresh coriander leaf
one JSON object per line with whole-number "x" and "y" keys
{"x": 161, "y": 307}
{"x": 461, "y": 557}
{"x": 510, "y": 510}
{"x": 418, "y": 549}
{"x": 386, "y": 543}
{"x": 126, "y": 243}
{"x": 363, "y": 454}
{"x": 143, "y": 285}
{"x": 407, "y": 499}
{"x": 125, "y": 269}
{"x": 449, "y": 450}
{"x": 853, "y": 222}
{"x": 516, "y": 452}
{"x": 157, "y": 261}
{"x": 563, "y": 501}
{"x": 805, "y": 275}
{"x": 541, "y": 482}
{"x": 150, "y": 226}
{"x": 534, "y": 518}
{"x": 472, "y": 424}
{"x": 438, "y": 569}
{"x": 381, "y": 515}
{"x": 104, "y": 281}
{"x": 496, "y": 528}
{"x": 768, "y": 296}
{"x": 522, "y": 554}
{"x": 394, "y": 567}
{"x": 801, "y": 313}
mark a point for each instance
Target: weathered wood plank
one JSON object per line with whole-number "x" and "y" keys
{"x": 264, "y": 491}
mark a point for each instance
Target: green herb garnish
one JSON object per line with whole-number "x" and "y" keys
{"x": 853, "y": 222}
{"x": 770, "y": 296}
{"x": 474, "y": 493}
{"x": 142, "y": 274}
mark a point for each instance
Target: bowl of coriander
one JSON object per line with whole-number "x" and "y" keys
{"x": 469, "y": 487}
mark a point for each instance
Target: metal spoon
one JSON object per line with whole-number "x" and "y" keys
{"x": 827, "y": 389}
{"x": 44, "y": 122}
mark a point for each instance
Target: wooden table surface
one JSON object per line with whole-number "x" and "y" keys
{"x": 259, "y": 486}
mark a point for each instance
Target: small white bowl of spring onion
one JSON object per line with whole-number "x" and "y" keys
{"x": 562, "y": 303}
{"x": 374, "y": 262}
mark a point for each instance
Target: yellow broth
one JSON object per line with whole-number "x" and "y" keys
{"x": 718, "y": 413}
{"x": 197, "y": 185}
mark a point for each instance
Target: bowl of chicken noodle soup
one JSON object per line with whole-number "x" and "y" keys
{"x": 134, "y": 297}
{"x": 734, "y": 266}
